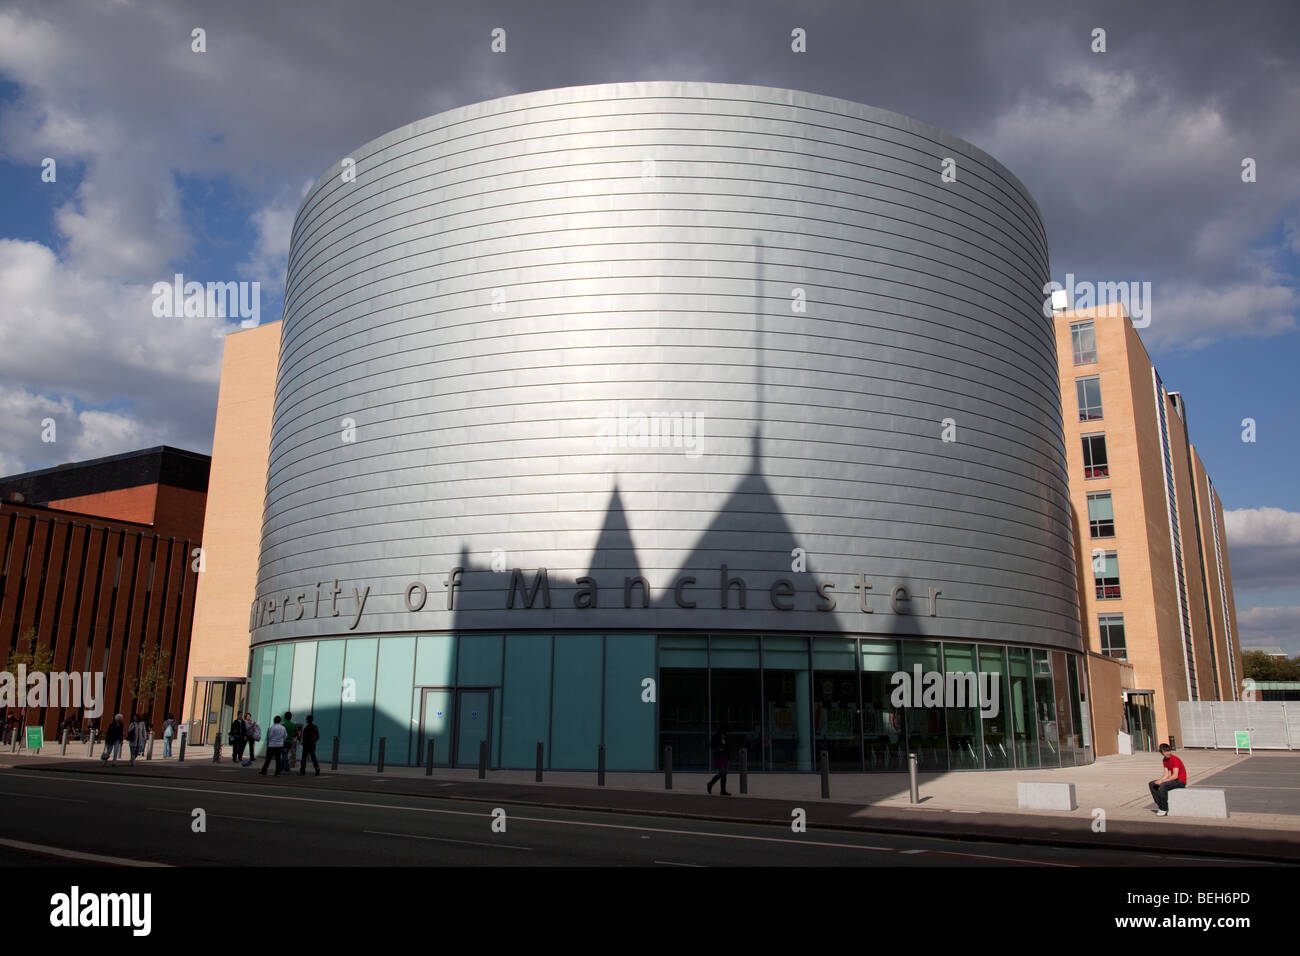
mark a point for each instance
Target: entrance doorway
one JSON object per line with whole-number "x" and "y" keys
{"x": 456, "y": 720}
{"x": 1139, "y": 719}
{"x": 213, "y": 707}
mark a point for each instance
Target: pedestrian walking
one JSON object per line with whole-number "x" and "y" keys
{"x": 290, "y": 742}
{"x": 169, "y": 731}
{"x": 113, "y": 740}
{"x": 1175, "y": 778}
{"x": 238, "y": 739}
{"x": 254, "y": 735}
{"x": 132, "y": 730}
{"x": 310, "y": 734}
{"x": 719, "y": 746}
{"x": 274, "y": 746}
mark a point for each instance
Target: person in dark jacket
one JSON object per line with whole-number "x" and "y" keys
{"x": 310, "y": 734}
{"x": 238, "y": 740}
{"x": 719, "y": 747}
{"x": 113, "y": 739}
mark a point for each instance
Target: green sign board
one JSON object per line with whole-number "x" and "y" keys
{"x": 35, "y": 738}
{"x": 1243, "y": 740}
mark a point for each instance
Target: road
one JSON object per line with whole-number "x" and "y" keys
{"x": 52, "y": 817}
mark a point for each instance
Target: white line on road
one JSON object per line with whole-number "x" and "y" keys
{"x": 671, "y": 863}
{"x": 11, "y": 793}
{"x": 76, "y": 854}
{"x": 419, "y": 836}
{"x": 215, "y": 816}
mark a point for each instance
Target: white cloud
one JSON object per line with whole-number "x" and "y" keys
{"x": 1264, "y": 548}
{"x": 1270, "y": 626}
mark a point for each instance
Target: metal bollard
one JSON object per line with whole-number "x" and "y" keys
{"x": 428, "y": 758}
{"x": 90, "y": 750}
{"x": 482, "y": 759}
{"x": 744, "y": 770}
{"x": 383, "y": 745}
{"x": 13, "y": 743}
{"x": 64, "y": 751}
{"x": 181, "y": 756}
{"x": 825, "y": 761}
{"x": 668, "y": 768}
{"x": 911, "y": 775}
{"x": 216, "y": 750}
{"x": 540, "y": 752}
{"x": 600, "y": 766}
{"x": 148, "y": 754}
{"x": 334, "y": 757}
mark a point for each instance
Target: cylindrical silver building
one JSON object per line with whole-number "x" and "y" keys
{"x": 619, "y": 414}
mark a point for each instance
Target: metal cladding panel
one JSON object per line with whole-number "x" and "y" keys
{"x": 652, "y": 329}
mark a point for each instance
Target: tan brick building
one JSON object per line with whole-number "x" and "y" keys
{"x": 1154, "y": 583}
{"x": 232, "y": 530}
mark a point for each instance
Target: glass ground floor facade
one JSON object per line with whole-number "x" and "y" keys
{"x": 782, "y": 699}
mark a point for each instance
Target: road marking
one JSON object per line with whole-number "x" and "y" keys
{"x": 215, "y": 816}
{"x": 418, "y": 836}
{"x": 76, "y": 854}
{"x": 671, "y": 863}
{"x": 1000, "y": 859}
{"x": 28, "y": 796}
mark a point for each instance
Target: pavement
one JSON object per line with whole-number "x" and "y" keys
{"x": 1115, "y": 809}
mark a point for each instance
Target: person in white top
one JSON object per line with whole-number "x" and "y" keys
{"x": 274, "y": 746}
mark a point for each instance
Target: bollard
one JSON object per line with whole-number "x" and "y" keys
{"x": 911, "y": 775}
{"x": 600, "y": 766}
{"x": 1173, "y": 744}
{"x": 148, "y": 754}
{"x": 825, "y": 762}
{"x": 383, "y": 745}
{"x": 64, "y": 751}
{"x": 482, "y": 759}
{"x": 539, "y": 761}
{"x": 90, "y": 749}
{"x": 216, "y": 749}
{"x": 668, "y": 768}
{"x": 334, "y": 757}
{"x": 13, "y": 743}
{"x": 744, "y": 770}
{"x": 180, "y": 758}
{"x": 428, "y": 758}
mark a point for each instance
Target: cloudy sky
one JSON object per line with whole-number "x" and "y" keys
{"x": 167, "y": 160}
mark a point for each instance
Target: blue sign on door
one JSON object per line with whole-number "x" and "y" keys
{"x": 473, "y": 715}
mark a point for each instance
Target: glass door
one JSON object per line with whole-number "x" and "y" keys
{"x": 473, "y": 725}
{"x": 435, "y": 725}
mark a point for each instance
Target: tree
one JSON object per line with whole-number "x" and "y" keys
{"x": 1259, "y": 666}
{"x": 35, "y": 659}
{"x": 153, "y": 677}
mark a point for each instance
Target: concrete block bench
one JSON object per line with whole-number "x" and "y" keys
{"x": 1198, "y": 802}
{"x": 1046, "y": 796}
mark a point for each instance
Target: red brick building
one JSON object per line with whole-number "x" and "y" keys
{"x": 98, "y": 559}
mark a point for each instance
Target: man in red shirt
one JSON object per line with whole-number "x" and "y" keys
{"x": 1175, "y": 777}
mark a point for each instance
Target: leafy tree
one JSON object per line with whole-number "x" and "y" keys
{"x": 153, "y": 677}
{"x": 1260, "y": 667}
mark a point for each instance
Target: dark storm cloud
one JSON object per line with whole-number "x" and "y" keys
{"x": 1133, "y": 154}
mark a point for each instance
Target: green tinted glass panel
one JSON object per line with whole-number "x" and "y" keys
{"x": 329, "y": 682}
{"x": 394, "y": 684}
{"x": 357, "y": 719}
{"x": 526, "y": 698}
{"x": 575, "y": 702}
{"x": 480, "y": 660}
{"x": 629, "y": 721}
